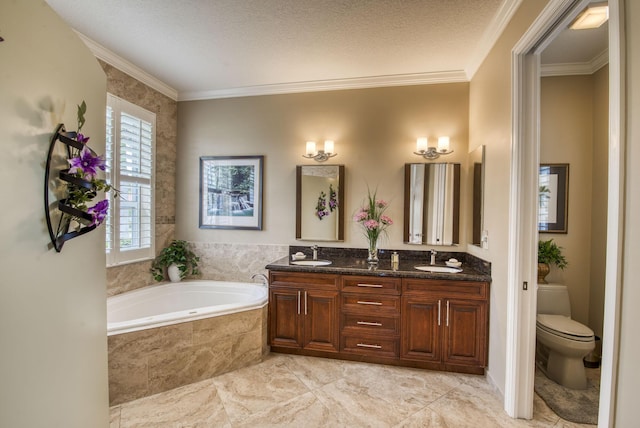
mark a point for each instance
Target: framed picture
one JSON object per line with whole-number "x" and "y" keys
{"x": 553, "y": 198}
{"x": 231, "y": 192}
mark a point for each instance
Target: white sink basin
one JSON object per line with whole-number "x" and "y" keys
{"x": 311, "y": 262}
{"x": 439, "y": 269}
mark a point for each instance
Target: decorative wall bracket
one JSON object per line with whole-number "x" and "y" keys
{"x": 61, "y": 234}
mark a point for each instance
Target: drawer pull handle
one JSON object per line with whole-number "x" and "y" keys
{"x": 370, "y": 285}
{"x": 376, "y": 324}
{"x": 365, "y": 345}
{"x": 364, "y": 302}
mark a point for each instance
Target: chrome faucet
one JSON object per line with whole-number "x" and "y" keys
{"x": 314, "y": 248}
{"x": 433, "y": 256}
{"x": 263, "y": 277}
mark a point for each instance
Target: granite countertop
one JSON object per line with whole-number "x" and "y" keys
{"x": 347, "y": 263}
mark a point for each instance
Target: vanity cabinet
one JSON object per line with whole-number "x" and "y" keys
{"x": 304, "y": 311}
{"x": 429, "y": 323}
{"x": 445, "y": 323}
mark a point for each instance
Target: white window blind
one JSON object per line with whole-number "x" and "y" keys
{"x": 130, "y": 142}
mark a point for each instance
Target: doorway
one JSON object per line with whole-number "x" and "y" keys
{"x": 523, "y": 222}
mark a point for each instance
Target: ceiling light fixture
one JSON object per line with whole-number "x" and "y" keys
{"x": 593, "y": 16}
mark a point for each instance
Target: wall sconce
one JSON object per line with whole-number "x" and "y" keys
{"x": 320, "y": 155}
{"x": 431, "y": 153}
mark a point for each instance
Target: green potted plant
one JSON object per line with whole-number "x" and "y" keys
{"x": 549, "y": 253}
{"x": 179, "y": 261}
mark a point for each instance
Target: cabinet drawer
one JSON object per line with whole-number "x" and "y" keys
{"x": 365, "y": 345}
{"x": 294, "y": 279}
{"x": 371, "y": 284}
{"x": 370, "y": 304}
{"x": 370, "y": 324}
{"x": 446, "y": 288}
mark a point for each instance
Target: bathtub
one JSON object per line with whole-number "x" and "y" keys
{"x": 160, "y": 305}
{"x": 164, "y": 336}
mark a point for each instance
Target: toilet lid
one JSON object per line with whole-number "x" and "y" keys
{"x": 564, "y": 325}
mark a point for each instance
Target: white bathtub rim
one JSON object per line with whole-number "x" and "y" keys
{"x": 178, "y": 317}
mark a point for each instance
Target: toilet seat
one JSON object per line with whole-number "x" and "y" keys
{"x": 565, "y": 327}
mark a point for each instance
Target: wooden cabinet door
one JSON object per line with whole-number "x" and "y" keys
{"x": 285, "y": 327}
{"x": 321, "y": 320}
{"x": 421, "y": 319}
{"x": 465, "y": 332}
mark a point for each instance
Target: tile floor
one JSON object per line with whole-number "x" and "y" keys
{"x": 295, "y": 391}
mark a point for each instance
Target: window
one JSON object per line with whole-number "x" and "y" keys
{"x": 130, "y": 150}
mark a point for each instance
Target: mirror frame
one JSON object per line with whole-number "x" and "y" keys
{"x": 456, "y": 203}
{"x": 340, "y": 237}
{"x": 477, "y": 195}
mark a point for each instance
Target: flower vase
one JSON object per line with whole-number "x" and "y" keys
{"x": 174, "y": 273}
{"x": 372, "y": 257}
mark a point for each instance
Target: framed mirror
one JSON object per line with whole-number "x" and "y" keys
{"x": 476, "y": 170}
{"x": 319, "y": 198}
{"x": 432, "y": 203}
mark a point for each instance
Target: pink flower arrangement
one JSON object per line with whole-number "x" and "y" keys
{"x": 371, "y": 217}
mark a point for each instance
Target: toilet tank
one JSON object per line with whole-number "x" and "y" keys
{"x": 553, "y": 299}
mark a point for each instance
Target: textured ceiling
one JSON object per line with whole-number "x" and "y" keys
{"x": 214, "y": 48}
{"x": 211, "y": 45}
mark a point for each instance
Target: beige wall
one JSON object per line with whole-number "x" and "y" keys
{"x": 567, "y": 136}
{"x": 629, "y": 375}
{"x": 490, "y": 124}
{"x": 136, "y": 275}
{"x": 375, "y": 132}
{"x": 53, "y": 362}
{"x": 599, "y": 198}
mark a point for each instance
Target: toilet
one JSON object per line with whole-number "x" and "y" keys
{"x": 561, "y": 342}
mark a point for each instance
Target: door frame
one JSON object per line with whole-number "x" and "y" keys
{"x": 523, "y": 233}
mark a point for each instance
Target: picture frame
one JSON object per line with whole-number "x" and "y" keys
{"x": 231, "y": 192}
{"x": 553, "y": 198}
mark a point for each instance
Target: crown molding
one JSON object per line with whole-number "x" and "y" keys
{"x": 491, "y": 35}
{"x": 125, "y": 66}
{"x": 329, "y": 85}
{"x": 576, "y": 68}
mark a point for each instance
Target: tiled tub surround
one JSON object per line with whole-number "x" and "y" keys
{"x": 218, "y": 261}
{"x": 146, "y": 362}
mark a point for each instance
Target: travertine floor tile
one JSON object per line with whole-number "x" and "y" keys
{"x": 257, "y": 388}
{"x": 294, "y": 391}
{"x": 195, "y": 405}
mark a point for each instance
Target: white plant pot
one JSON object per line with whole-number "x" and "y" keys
{"x": 174, "y": 273}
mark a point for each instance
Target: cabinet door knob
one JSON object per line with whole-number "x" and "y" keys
{"x": 298, "y": 302}
{"x": 439, "y": 304}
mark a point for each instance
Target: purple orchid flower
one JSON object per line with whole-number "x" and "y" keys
{"x": 86, "y": 164}
{"x": 81, "y": 138}
{"x": 99, "y": 212}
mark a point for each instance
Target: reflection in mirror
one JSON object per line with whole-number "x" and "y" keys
{"x": 432, "y": 203}
{"x": 319, "y": 198}
{"x": 476, "y": 173}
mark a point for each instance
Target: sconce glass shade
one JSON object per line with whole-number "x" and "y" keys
{"x": 443, "y": 144}
{"x": 311, "y": 148}
{"x": 422, "y": 144}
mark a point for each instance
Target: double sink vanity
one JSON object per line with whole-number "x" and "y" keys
{"x": 343, "y": 308}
